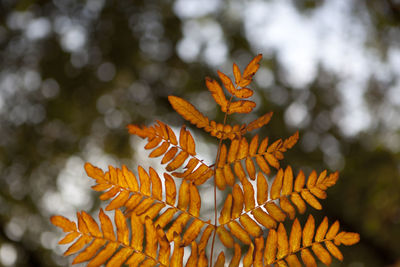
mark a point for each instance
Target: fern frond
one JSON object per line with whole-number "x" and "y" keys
{"x": 279, "y": 247}
{"x": 100, "y": 245}
{"x": 240, "y": 149}
{"x": 268, "y": 213}
{"x": 162, "y": 139}
{"x": 155, "y": 220}
{"x": 144, "y": 199}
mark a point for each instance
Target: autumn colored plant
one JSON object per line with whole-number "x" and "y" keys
{"x": 153, "y": 225}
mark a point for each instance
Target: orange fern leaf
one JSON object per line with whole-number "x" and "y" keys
{"x": 226, "y": 81}
{"x": 217, "y": 93}
{"x": 144, "y": 199}
{"x": 188, "y": 111}
{"x": 163, "y": 141}
{"x": 252, "y": 67}
{"x": 259, "y": 122}
{"x": 267, "y": 213}
{"x": 278, "y": 247}
{"x": 265, "y": 156}
{"x": 135, "y": 247}
{"x": 241, "y": 106}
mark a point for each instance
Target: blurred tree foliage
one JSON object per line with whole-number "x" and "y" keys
{"x": 74, "y": 73}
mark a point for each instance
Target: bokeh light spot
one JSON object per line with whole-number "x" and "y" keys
{"x": 106, "y": 72}
{"x": 8, "y": 254}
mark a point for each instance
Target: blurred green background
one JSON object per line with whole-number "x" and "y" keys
{"x": 74, "y": 73}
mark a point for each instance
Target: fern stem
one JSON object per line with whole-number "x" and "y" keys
{"x": 215, "y": 185}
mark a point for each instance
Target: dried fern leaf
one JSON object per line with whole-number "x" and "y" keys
{"x": 193, "y": 258}
{"x": 277, "y": 185}
{"x": 220, "y": 262}
{"x": 241, "y": 106}
{"x": 250, "y": 225}
{"x": 164, "y": 247}
{"x": 146, "y": 241}
{"x": 205, "y": 237}
{"x": 322, "y": 254}
{"x": 225, "y": 237}
{"x": 237, "y": 73}
{"x": 334, "y": 250}
{"x": 282, "y": 189}
{"x": 285, "y": 187}
{"x": 244, "y": 93}
{"x": 252, "y": 67}
{"x": 161, "y": 137}
{"x": 176, "y": 155}
{"x": 287, "y": 207}
{"x": 203, "y": 261}
{"x": 183, "y": 200}
{"x": 177, "y": 161}
{"x": 248, "y": 193}
{"x": 264, "y": 218}
{"x": 308, "y": 258}
{"x": 220, "y": 179}
{"x": 237, "y": 231}
{"x": 278, "y": 247}
{"x": 308, "y": 231}
{"x": 225, "y": 215}
{"x": 68, "y": 238}
{"x": 170, "y": 189}
{"x": 217, "y": 93}
{"x": 188, "y": 111}
{"x": 106, "y": 226}
{"x": 229, "y": 176}
{"x": 295, "y": 237}
{"x": 258, "y": 253}
{"x": 235, "y": 261}
{"x": 89, "y": 251}
{"x": 283, "y": 243}
{"x": 177, "y": 255}
{"x": 63, "y": 223}
{"x": 259, "y": 122}
{"x": 192, "y": 231}
{"x": 321, "y": 231}
{"x": 147, "y": 201}
{"x": 177, "y": 226}
{"x": 238, "y": 200}
{"x": 248, "y": 258}
{"x": 262, "y": 189}
{"x": 226, "y": 81}
{"x": 104, "y": 254}
{"x": 240, "y": 149}
{"x": 195, "y": 201}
